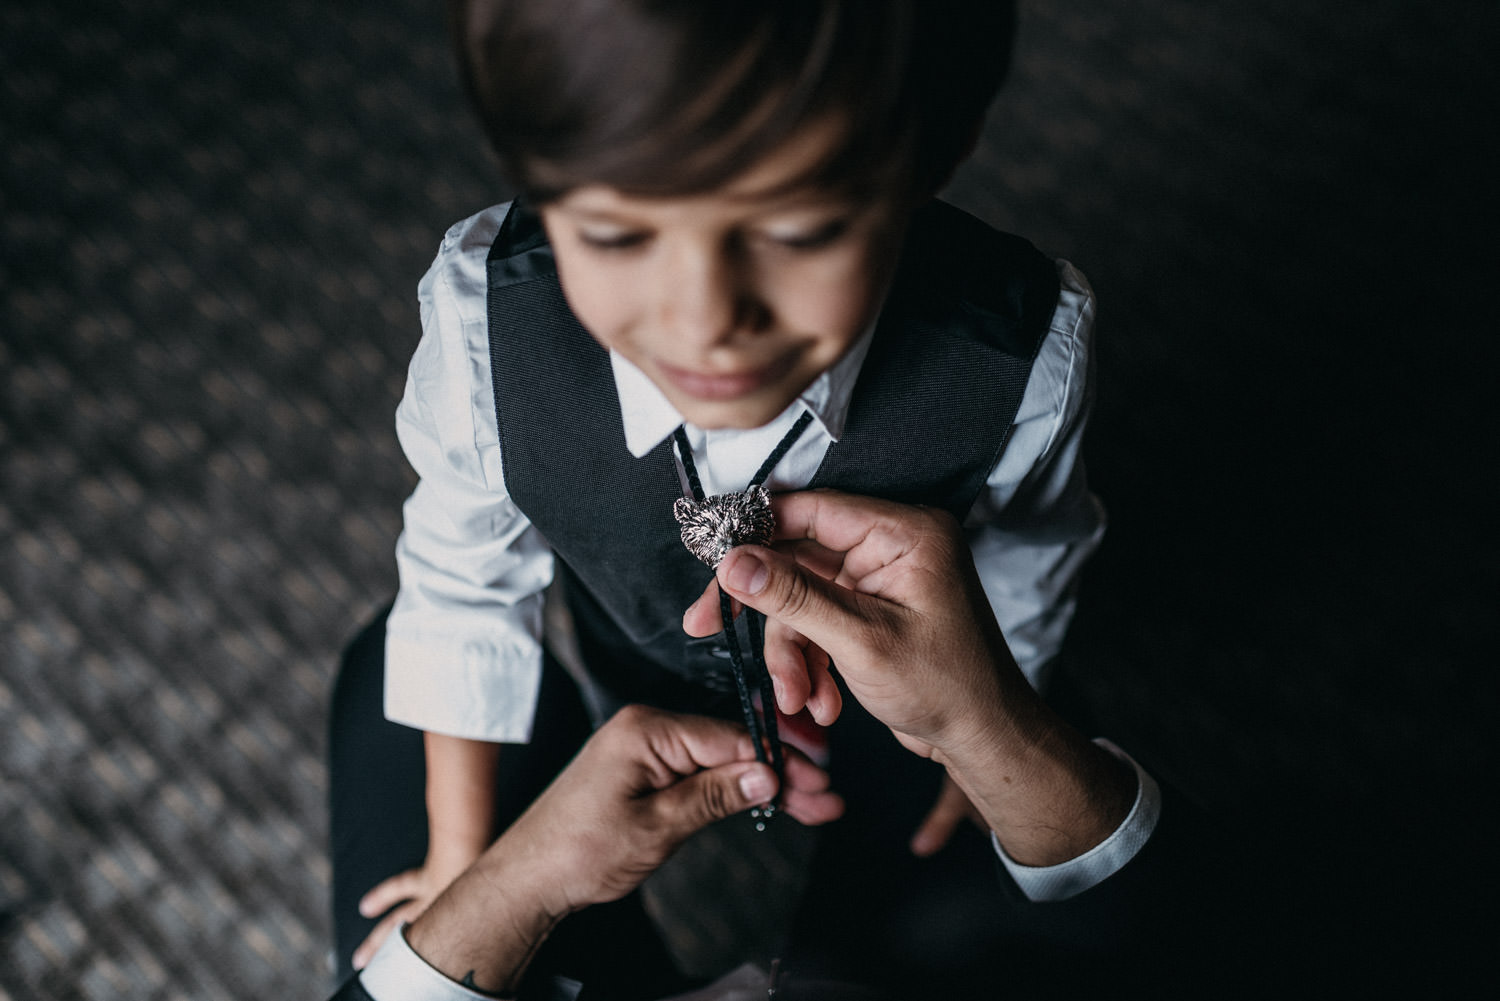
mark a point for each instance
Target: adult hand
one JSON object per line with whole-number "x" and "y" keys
{"x": 643, "y": 784}
{"x": 890, "y": 592}
{"x": 800, "y": 670}
{"x": 639, "y": 788}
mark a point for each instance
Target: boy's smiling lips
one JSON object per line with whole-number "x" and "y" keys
{"x": 724, "y": 386}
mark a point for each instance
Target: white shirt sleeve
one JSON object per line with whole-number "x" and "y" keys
{"x": 1036, "y": 524}
{"x": 463, "y": 647}
{"x": 1070, "y": 878}
{"x": 397, "y": 973}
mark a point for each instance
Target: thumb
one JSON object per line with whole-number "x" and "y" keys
{"x": 779, "y": 588}
{"x": 713, "y": 794}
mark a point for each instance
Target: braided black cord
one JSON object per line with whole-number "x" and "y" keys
{"x": 770, "y": 738}
{"x": 726, "y": 615}
{"x": 767, "y": 690}
{"x": 785, "y": 446}
{"x": 685, "y": 451}
{"x": 747, "y": 707}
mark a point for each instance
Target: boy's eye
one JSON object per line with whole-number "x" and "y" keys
{"x": 813, "y": 239}
{"x": 612, "y": 239}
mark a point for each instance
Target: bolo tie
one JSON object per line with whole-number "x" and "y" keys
{"x": 711, "y": 526}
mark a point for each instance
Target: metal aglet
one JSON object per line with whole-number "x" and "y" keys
{"x": 761, "y": 814}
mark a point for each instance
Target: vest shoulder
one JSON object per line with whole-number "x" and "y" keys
{"x": 520, "y": 251}
{"x": 954, "y": 265}
{"x": 968, "y": 258}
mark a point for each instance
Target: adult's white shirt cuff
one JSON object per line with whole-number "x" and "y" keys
{"x": 1068, "y": 879}
{"x": 397, "y": 973}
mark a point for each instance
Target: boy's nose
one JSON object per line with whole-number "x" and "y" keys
{"x": 708, "y": 298}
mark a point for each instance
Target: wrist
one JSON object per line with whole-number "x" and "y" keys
{"x": 460, "y": 799}
{"x": 529, "y": 885}
{"x": 995, "y": 724}
{"x": 484, "y": 931}
{"x": 450, "y": 854}
{"x": 1047, "y": 793}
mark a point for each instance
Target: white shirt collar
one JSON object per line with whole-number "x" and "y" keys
{"x": 649, "y": 418}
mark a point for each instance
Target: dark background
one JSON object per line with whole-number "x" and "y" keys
{"x": 213, "y": 220}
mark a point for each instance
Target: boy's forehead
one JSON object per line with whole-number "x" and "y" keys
{"x": 787, "y": 177}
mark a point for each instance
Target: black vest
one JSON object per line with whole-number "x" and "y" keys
{"x": 931, "y": 412}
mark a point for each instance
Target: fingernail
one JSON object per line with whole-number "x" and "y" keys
{"x": 757, "y": 786}
{"x": 748, "y": 574}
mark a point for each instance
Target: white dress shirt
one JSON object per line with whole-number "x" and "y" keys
{"x": 463, "y": 642}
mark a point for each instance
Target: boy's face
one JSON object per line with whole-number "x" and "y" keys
{"x": 731, "y": 302}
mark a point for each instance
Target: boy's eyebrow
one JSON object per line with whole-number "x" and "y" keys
{"x": 812, "y": 198}
{"x": 809, "y": 199}
{"x": 607, "y": 214}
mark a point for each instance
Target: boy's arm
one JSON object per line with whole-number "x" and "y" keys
{"x": 463, "y": 649}
{"x": 460, "y": 798}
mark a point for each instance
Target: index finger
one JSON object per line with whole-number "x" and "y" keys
{"x": 675, "y": 745}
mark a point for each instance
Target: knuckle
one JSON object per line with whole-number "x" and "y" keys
{"x": 716, "y": 802}
{"x": 796, "y": 596}
{"x": 633, "y": 715}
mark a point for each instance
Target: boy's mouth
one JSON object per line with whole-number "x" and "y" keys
{"x": 715, "y": 386}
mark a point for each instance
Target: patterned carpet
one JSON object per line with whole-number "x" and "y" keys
{"x": 213, "y": 220}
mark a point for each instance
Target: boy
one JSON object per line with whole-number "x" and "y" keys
{"x": 726, "y": 223}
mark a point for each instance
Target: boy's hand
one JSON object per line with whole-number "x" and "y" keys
{"x": 951, "y": 809}
{"x": 406, "y": 896}
{"x": 460, "y": 793}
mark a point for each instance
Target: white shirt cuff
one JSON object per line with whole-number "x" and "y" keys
{"x": 1070, "y": 878}
{"x": 478, "y": 689}
{"x": 397, "y": 973}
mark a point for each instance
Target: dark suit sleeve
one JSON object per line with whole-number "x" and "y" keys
{"x": 352, "y": 990}
{"x": 1191, "y": 905}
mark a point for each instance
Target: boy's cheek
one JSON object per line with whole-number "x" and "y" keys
{"x": 600, "y": 298}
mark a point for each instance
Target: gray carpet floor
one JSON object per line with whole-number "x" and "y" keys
{"x": 212, "y": 221}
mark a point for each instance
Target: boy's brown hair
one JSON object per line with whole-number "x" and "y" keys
{"x": 676, "y": 97}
